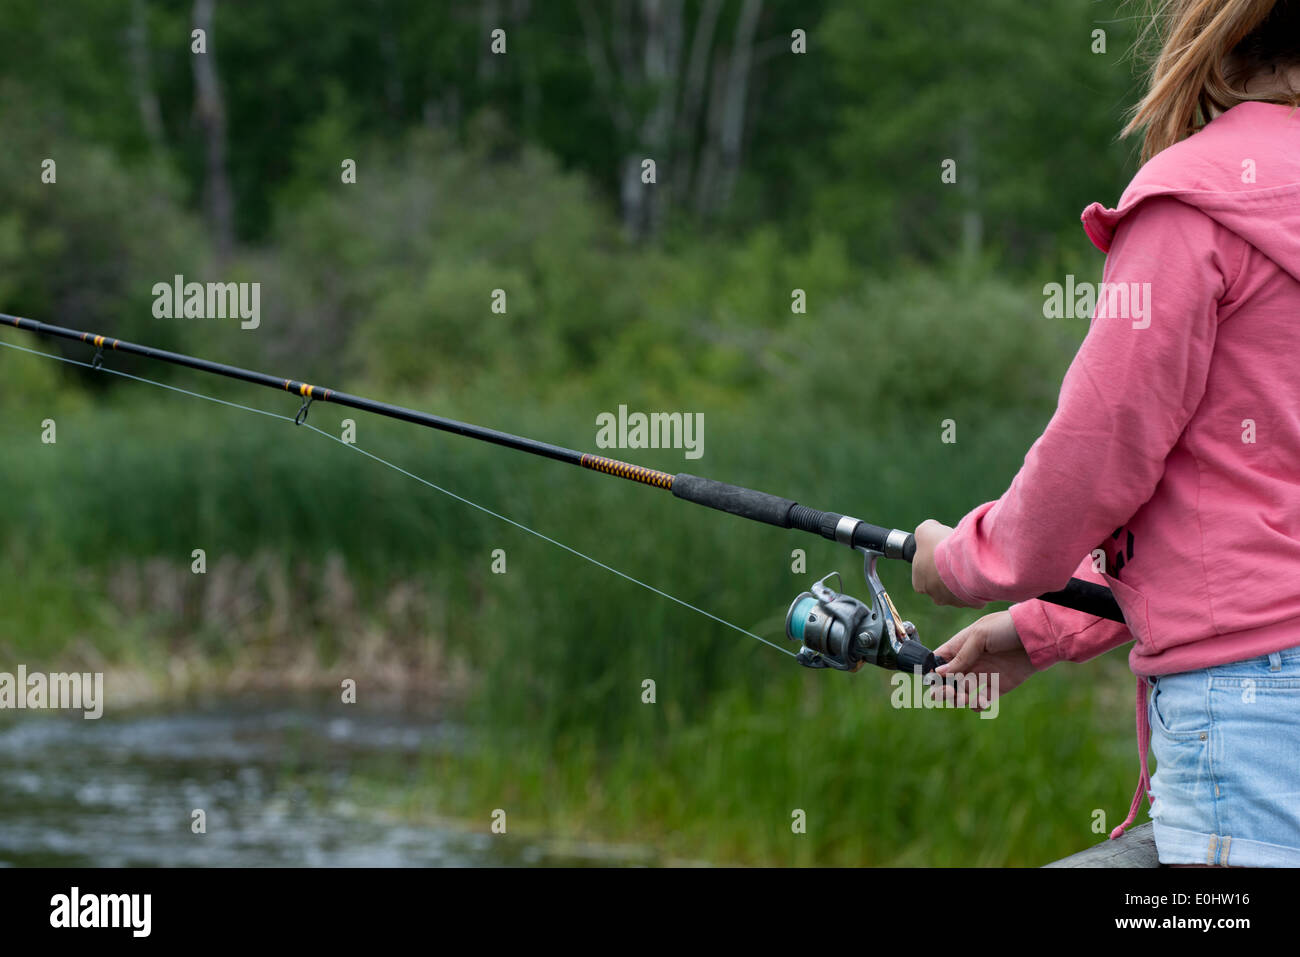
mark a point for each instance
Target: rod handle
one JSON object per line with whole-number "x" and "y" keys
{"x": 745, "y": 502}
{"x": 890, "y": 542}
{"x": 1087, "y": 597}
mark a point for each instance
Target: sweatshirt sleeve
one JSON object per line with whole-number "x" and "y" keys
{"x": 1050, "y": 633}
{"x": 1129, "y": 393}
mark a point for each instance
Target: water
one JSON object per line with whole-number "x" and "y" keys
{"x": 272, "y": 779}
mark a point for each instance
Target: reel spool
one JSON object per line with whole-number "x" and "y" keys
{"x": 839, "y": 631}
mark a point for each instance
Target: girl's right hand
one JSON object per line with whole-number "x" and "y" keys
{"x": 987, "y": 646}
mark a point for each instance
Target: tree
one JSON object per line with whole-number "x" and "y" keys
{"x": 210, "y": 111}
{"x": 1009, "y": 91}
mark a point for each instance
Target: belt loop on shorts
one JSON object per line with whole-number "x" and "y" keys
{"x": 1275, "y": 661}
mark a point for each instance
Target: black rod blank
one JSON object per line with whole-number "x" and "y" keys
{"x": 756, "y": 506}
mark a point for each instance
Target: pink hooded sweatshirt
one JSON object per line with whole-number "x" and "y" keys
{"x": 1174, "y": 453}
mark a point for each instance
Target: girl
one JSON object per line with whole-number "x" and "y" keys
{"x": 1171, "y": 469}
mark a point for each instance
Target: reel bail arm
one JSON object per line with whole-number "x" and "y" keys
{"x": 839, "y": 631}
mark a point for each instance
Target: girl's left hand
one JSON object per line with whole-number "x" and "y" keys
{"x": 925, "y": 576}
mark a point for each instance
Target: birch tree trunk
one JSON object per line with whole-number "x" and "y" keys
{"x": 972, "y": 220}
{"x": 652, "y": 62}
{"x": 489, "y": 19}
{"x": 137, "y": 43}
{"x": 693, "y": 100}
{"x": 211, "y": 113}
{"x": 737, "y": 100}
{"x": 662, "y": 63}
{"x": 709, "y": 164}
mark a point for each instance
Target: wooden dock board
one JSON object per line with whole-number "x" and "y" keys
{"x": 1135, "y": 848}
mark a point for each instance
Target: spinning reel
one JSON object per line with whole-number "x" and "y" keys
{"x": 839, "y": 631}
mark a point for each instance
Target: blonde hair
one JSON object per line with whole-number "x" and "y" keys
{"x": 1208, "y": 50}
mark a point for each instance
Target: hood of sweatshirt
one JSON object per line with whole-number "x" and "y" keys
{"x": 1242, "y": 170}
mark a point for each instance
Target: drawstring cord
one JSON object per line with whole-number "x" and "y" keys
{"x": 1144, "y": 742}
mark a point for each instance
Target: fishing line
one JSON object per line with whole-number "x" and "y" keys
{"x": 834, "y": 630}
{"x": 748, "y": 503}
{"x": 423, "y": 481}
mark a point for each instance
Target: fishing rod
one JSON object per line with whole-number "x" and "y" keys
{"x": 834, "y": 630}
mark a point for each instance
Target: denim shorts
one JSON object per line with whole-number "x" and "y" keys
{"x": 1226, "y": 740}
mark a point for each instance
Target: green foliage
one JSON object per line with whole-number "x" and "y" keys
{"x": 86, "y": 249}
{"x": 32, "y": 390}
{"x": 420, "y": 242}
{"x": 931, "y": 343}
{"x": 1015, "y": 96}
{"x": 845, "y": 139}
